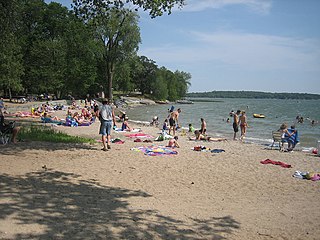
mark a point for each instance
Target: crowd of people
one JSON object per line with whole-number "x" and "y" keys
{"x": 84, "y": 115}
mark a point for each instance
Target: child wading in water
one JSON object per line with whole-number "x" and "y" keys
{"x": 173, "y": 142}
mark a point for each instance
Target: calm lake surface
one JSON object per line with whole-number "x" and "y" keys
{"x": 215, "y": 113}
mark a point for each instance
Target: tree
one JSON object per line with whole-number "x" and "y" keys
{"x": 144, "y": 74}
{"x": 160, "y": 87}
{"x": 183, "y": 83}
{"x": 80, "y": 69}
{"x": 89, "y": 9}
{"x": 10, "y": 56}
{"x": 30, "y": 32}
{"x": 119, "y": 34}
{"x": 113, "y": 26}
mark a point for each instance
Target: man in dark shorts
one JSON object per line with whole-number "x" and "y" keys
{"x": 236, "y": 124}
{"x": 173, "y": 120}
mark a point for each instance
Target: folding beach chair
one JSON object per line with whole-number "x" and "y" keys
{"x": 5, "y": 131}
{"x": 277, "y": 138}
{"x": 5, "y": 136}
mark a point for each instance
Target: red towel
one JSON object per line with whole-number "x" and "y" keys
{"x": 282, "y": 164}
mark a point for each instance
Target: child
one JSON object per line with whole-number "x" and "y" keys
{"x": 165, "y": 125}
{"x": 173, "y": 142}
{"x": 125, "y": 125}
{"x": 191, "y": 128}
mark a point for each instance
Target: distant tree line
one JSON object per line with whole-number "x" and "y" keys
{"x": 46, "y": 48}
{"x": 252, "y": 94}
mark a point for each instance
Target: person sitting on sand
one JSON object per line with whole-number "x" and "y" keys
{"x": 173, "y": 142}
{"x": 125, "y": 125}
{"x": 165, "y": 126}
{"x": 199, "y": 136}
{"x": 69, "y": 113}
{"x": 155, "y": 121}
{"x": 191, "y": 128}
{"x": 79, "y": 119}
{"x": 86, "y": 114}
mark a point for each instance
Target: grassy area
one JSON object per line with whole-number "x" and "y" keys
{"x": 46, "y": 134}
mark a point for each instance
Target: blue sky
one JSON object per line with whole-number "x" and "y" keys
{"x": 255, "y": 45}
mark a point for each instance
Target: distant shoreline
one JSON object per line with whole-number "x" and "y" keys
{"x": 253, "y": 95}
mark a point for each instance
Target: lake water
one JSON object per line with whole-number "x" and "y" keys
{"x": 215, "y": 113}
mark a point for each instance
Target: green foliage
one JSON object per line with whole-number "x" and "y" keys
{"x": 145, "y": 74}
{"x": 45, "y": 48}
{"x": 45, "y": 134}
{"x": 253, "y": 94}
{"x": 11, "y": 68}
{"x": 160, "y": 87}
{"x": 155, "y": 8}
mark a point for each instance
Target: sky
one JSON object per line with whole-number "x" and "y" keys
{"x": 228, "y": 45}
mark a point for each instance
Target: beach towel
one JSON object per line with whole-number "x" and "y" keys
{"x": 282, "y": 164}
{"x": 217, "y": 150}
{"x": 138, "y": 135}
{"x": 155, "y": 150}
{"x": 119, "y": 130}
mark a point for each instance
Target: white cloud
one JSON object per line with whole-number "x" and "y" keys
{"x": 258, "y": 6}
{"x": 241, "y": 51}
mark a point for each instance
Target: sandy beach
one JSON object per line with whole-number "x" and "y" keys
{"x": 77, "y": 191}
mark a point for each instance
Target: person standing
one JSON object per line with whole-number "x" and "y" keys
{"x": 203, "y": 128}
{"x": 236, "y": 124}
{"x": 106, "y": 117}
{"x": 243, "y": 125}
{"x": 173, "y": 121}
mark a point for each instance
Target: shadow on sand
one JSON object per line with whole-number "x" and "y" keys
{"x": 65, "y": 207}
{"x": 16, "y": 149}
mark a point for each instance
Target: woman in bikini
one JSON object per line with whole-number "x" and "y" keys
{"x": 243, "y": 124}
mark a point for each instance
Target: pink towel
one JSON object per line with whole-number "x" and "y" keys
{"x": 139, "y": 135}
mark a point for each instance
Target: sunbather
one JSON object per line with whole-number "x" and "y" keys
{"x": 47, "y": 119}
{"x": 173, "y": 142}
{"x": 199, "y": 136}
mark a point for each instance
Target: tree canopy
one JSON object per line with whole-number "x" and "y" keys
{"x": 92, "y": 8}
{"x": 47, "y": 48}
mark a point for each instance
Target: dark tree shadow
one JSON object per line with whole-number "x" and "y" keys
{"x": 67, "y": 207}
{"x": 16, "y": 149}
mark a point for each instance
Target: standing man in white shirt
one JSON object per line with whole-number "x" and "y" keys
{"x": 107, "y": 120}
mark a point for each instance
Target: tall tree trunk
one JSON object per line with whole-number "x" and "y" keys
{"x": 10, "y": 94}
{"x": 110, "y": 73}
